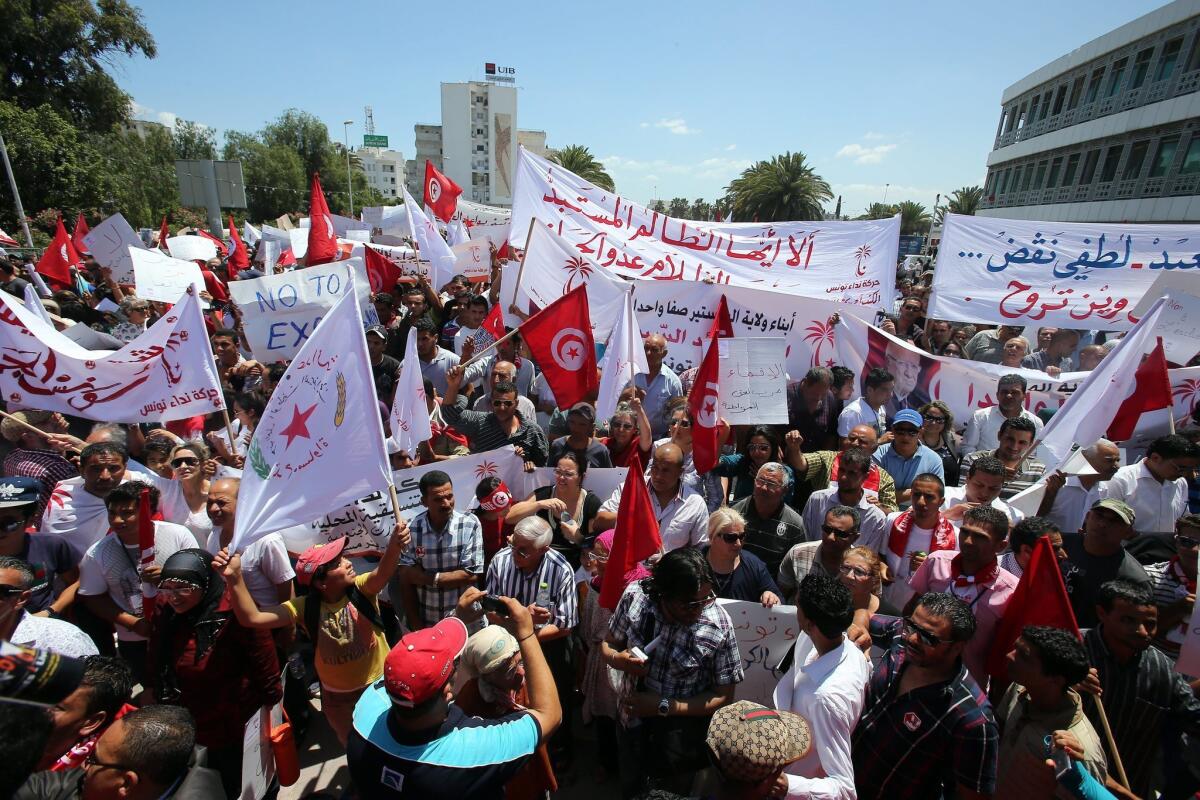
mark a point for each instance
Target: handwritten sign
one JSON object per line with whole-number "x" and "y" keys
{"x": 600, "y": 481}
{"x": 109, "y": 242}
{"x": 1179, "y": 327}
{"x": 157, "y": 276}
{"x": 189, "y": 248}
{"x": 258, "y": 758}
{"x": 473, "y": 260}
{"x": 1075, "y": 275}
{"x": 389, "y": 219}
{"x": 764, "y": 636}
{"x": 753, "y": 380}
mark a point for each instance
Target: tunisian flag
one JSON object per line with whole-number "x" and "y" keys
{"x": 1151, "y": 392}
{"x": 221, "y": 248}
{"x": 704, "y": 405}
{"x": 560, "y": 339}
{"x": 1040, "y": 599}
{"x": 382, "y": 274}
{"x": 59, "y": 257}
{"x": 722, "y": 326}
{"x": 635, "y": 539}
{"x": 239, "y": 257}
{"x": 81, "y": 230}
{"x": 441, "y": 193}
{"x": 322, "y": 239}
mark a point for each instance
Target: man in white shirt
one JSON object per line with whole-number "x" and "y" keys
{"x": 681, "y": 511}
{"x": 984, "y": 482}
{"x": 469, "y": 320}
{"x": 266, "y": 569}
{"x": 1155, "y": 487}
{"x": 1068, "y": 497}
{"x": 869, "y": 409}
{"x": 983, "y": 428}
{"x": 825, "y": 685}
{"x": 914, "y": 534}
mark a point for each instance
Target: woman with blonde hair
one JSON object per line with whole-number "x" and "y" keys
{"x": 737, "y": 575}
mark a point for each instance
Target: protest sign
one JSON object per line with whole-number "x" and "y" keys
{"x": 476, "y": 214}
{"x": 258, "y": 757}
{"x": 389, "y": 219}
{"x": 853, "y": 263}
{"x": 1179, "y": 327}
{"x": 109, "y": 243}
{"x": 473, "y": 259}
{"x": 191, "y": 248}
{"x": 157, "y": 276}
{"x": 1075, "y": 275}
{"x": 753, "y": 381}
{"x": 600, "y": 481}
{"x": 279, "y": 312}
{"x": 764, "y": 636}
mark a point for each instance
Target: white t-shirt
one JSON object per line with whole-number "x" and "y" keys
{"x": 919, "y": 540}
{"x": 264, "y": 565}
{"x": 461, "y": 336}
{"x": 109, "y": 567}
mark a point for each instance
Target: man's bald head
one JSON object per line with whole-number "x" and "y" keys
{"x": 862, "y": 436}
{"x": 669, "y": 454}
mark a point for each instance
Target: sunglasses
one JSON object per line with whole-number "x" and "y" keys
{"x": 185, "y": 462}
{"x": 935, "y": 420}
{"x": 927, "y": 638}
{"x": 683, "y": 423}
{"x": 92, "y": 761}
{"x": 758, "y": 447}
{"x": 904, "y": 431}
{"x": 838, "y": 532}
{"x": 8, "y": 526}
{"x": 9, "y": 591}
{"x": 692, "y": 605}
{"x": 623, "y": 426}
{"x": 733, "y": 538}
{"x": 1187, "y": 542}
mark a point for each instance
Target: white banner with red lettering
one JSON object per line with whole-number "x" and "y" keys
{"x": 853, "y": 263}
{"x": 1065, "y": 274}
{"x": 166, "y": 373}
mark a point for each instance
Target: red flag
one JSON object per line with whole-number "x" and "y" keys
{"x": 704, "y": 405}
{"x": 635, "y": 539}
{"x": 382, "y": 274}
{"x": 239, "y": 259}
{"x": 722, "y": 325}
{"x": 81, "y": 230}
{"x": 322, "y": 240}
{"x": 560, "y": 339}
{"x": 59, "y": 257}
{"x": 286, "y": 258}
{"x": 146, "y": 543}
{"x": 164, "y": 233}
{"x": 1151, "y": 391}
{"x": 504, "y": 253}
{"x": 494, "y": 322}
{"x": 441, "y": 193}
{"x": 1040, "y": 599}
{"x": 7, "y": 241}
{"x": 221, "y": 248}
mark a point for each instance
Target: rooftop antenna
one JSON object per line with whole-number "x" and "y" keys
{"x": 369, "y": 127}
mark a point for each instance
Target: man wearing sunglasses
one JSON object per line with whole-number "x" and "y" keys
{"x": 19, "y": 627}
{"x": 498, "y": 427}
{"x": 927, "y": 729}
{"x": 824, "y": 557}
{"x": 906, "y": 456}
{"x": 1174, "y": 583}
{"x": 50, "y": 557}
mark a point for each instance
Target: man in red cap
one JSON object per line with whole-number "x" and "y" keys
{"x": 409, "y": 738}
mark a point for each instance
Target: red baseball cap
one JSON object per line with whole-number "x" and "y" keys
{"x": 316, "y": 556}
{"x": 421, "y": 662}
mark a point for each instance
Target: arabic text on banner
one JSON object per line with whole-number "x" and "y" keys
{"x": 764, "y": 636}
{"x": 753, "y": 381}
{"x": 853, "y": 263}
{"x": 1063, "y": 274}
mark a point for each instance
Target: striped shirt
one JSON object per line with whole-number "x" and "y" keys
{"x": 923, "y": 743}
{"x": 485, "y": 433}
{"x": 550, "y": 585}
{"x": 1029, "y": 472}
{"x": 1146, "y": 702}
{"x": 457, "y": 546}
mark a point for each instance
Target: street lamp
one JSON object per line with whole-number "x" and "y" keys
{"x": 349, "y": 179}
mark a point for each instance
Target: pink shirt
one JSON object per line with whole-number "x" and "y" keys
{"x": 987, "y": 603}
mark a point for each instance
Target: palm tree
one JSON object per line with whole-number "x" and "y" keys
{"x": 578, "y": 159}
{"x": 784, "y": 188}
{"x": 963, "y": 201}
{"x": 678, "y": 208}
{"x": 914, "y": 219}
{"x": 879, "y": 211}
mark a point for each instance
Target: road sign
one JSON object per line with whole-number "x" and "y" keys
{"x": 371, "y": 140}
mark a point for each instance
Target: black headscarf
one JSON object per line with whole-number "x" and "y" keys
{"x": 193, "y": 566}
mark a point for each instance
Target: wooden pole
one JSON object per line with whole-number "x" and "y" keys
{"x": 229, "y": 433}
{"x": 490, "y": 347}
{"x": 1112, "y": 745}
{"x": 22, "y": 423}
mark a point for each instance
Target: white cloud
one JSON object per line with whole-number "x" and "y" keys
{"x": 722, "y": 168}
{"x": 871, "y": 135}
{"x": 139, "y": 111}
{"x": 677, "y": 126}
{"x": 865, "y": 155}
{"x": 731, "y": 148}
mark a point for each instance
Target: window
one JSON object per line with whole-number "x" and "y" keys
{"x": 1033, "y": 108}
{"x": 1166, "y": 62}
{"x": 1116, "y": 76}
{"x": 1041, "y": 174}
{"x": 1164, "y": 157}
{"x": 1059, "y": 99}
{"x": 987, "y": 184}
{"x": 1193, "y": 62}
{"x": 1028, "y": 177}
{"x": 1191, "y": 159}
{"x": 1076, "y": 91}
{"x": 1094, "y": 85}
{"x": 1045, "y": 106}
{"x": 1089, "y": 167}
{"x": 1069, "y": 174}
{"x": 1055, "y": 166}
{"x": 1021, "y": 118}
{"x": 1004, "y": 181}
{"x": 1141, "y": 68}
{"x": 1137, "y": 155}
{"x": 1111, "y": 159}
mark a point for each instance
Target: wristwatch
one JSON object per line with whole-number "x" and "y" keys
{"x": 664, "y": 706}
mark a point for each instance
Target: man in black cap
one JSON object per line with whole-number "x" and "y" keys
{"x": 49, "y": 557}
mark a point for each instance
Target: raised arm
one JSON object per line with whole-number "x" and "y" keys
{"x": 378, "y": 578}
{"x": 244, "y": 608}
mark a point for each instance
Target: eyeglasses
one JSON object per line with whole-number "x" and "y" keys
{"x": 623, "y": 426}
{"x": 754, "y": 446}
{"x": 857, "y": 572}
{"x": 9, "y": 591}
{"x": 927, "y": 638}
{"x": 562, "y": 473}
{"x": 1186, "y": 542}
{"x": 175, "y": 591}
{"x": 693, "y": 605}
{"x": 92, "y": 761}
{"x": 904, "y": 431}
{"x": 733, "y": 538}
{"x": 838, "y": 532}
{"x": 185, "y": 462}
{"x": 683, "y": 423}
{"x": 935, "y": 420}
{"x": 10, "y": 525}
{"x": 765, "y": 484}
{"x": 503, "y": 403}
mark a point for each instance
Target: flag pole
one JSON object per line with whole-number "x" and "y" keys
{"x": 489, "y": 348}
{"x": 229, "y": 432}
{"x": 524, "y": 253}
{"x": 22, "y": 423}
{"x": 1112, "y": 745}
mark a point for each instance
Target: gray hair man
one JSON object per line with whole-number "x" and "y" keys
{"x": 772, "y": 526}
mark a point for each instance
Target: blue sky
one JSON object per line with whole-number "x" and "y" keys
{"x": 675, "y": 98}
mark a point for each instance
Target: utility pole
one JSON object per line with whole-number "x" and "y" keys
{"x": 932, "y": 221}
{"x": 12, "y": 182}
{"x": 349, "y": 179}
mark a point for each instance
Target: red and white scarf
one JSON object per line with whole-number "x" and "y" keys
{"x": 943, "y": 535}
{"x": 981, "y": 579}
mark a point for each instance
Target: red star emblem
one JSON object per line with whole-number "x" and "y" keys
{"x": 299, "y": 424}
{"x": 709, "y": 407}
{"x": 573, "y": 353}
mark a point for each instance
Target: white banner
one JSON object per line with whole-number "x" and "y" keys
{"x": 166, "y": 373}
{"x": 109, "y": 243}
{"x": 160, "y": 277}
{"x": 1065, "y": 274}
{"x": 852, "y": 263}
{"x": 191, "y": 248}
{"x": 753, "y": 381}
{"x": 764, "y": 636}
{"x": 280, "y": 312}
{"x": 480, "y": 214}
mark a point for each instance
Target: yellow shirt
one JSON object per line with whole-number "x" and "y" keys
{"x": 350, "y": 650}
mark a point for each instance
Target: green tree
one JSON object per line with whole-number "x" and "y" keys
{"x": 879, "y": 211}
{"x": 659, "y": 206}
{"x": 678, "y": 207}
{"x": 192, "y": 140}
{"x": 784, "y": 188}
{"x": 305, "y": 135}
{"x": 275, "y": 179}
{"x": 578, "y": 159}
{"x": 914, "y": 219}
{"x": 962, "y": 201}
{"x": 142, "y": 170}
{"x": 701, "y": 210}
{"x": 56, "y": 51}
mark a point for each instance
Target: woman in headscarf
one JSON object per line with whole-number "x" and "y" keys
{"x": 203, "y": 660}
{"x": 495, "y": 687}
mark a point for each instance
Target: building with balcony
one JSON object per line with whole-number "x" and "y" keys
{"x": 1109, "y": 132}
{"x": 385, "y": 170}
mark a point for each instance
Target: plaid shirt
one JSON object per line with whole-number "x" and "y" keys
{"x": 46, "y": 466}
{"x": 921, "y": 744}
{"x": 551, "y": 585}
{"x": 688, "y": 659}
{"x": 457, "y": 546}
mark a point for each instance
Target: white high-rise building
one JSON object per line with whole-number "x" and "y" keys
{"x": 384, "y": 170}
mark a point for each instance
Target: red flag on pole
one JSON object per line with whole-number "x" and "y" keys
{"x": 1151, "y": 391}
{"x": 494, "y": 322}
{"x": 635, "y": 539}
{"x": 322, "y": 240}
{"x": 81, "y": 230}
{"x": 239, "y": 259}
{"x": 164, "y": 233}
{"x": 59, "y": 257}
{"x": 705, "y": 407}
{"x": 441, "y": 193}
{"x": 560, "y": 339}
{"x": 221, "y": 247}
{"x": 1040, "y": 599}
{"x": 382, "y": 274}
{"x": 722, "y": 325}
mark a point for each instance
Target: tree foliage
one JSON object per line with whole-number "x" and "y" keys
{"x": 678, "y": 207}
{"x": 578, "y": 159}
{"x": 878, "y": 211}
{"x": 784, "y": 188}
{"x": 192, "y": 140}
{"x": 55, "y": 53}
{"x": 962, "y": 201}
{"x": 914, "y": 219}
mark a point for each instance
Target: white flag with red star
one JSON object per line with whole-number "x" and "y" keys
{"x": 319, "y": 444}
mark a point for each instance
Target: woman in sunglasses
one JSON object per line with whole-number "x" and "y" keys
{"x": 201, "y": 658}
{"x": 737, "y": 575}
{"x": 937, "y": 433}
{"x": 629, "y": 433}
{"x": 191, "y": 467}
{"x": 565, "y": 504}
